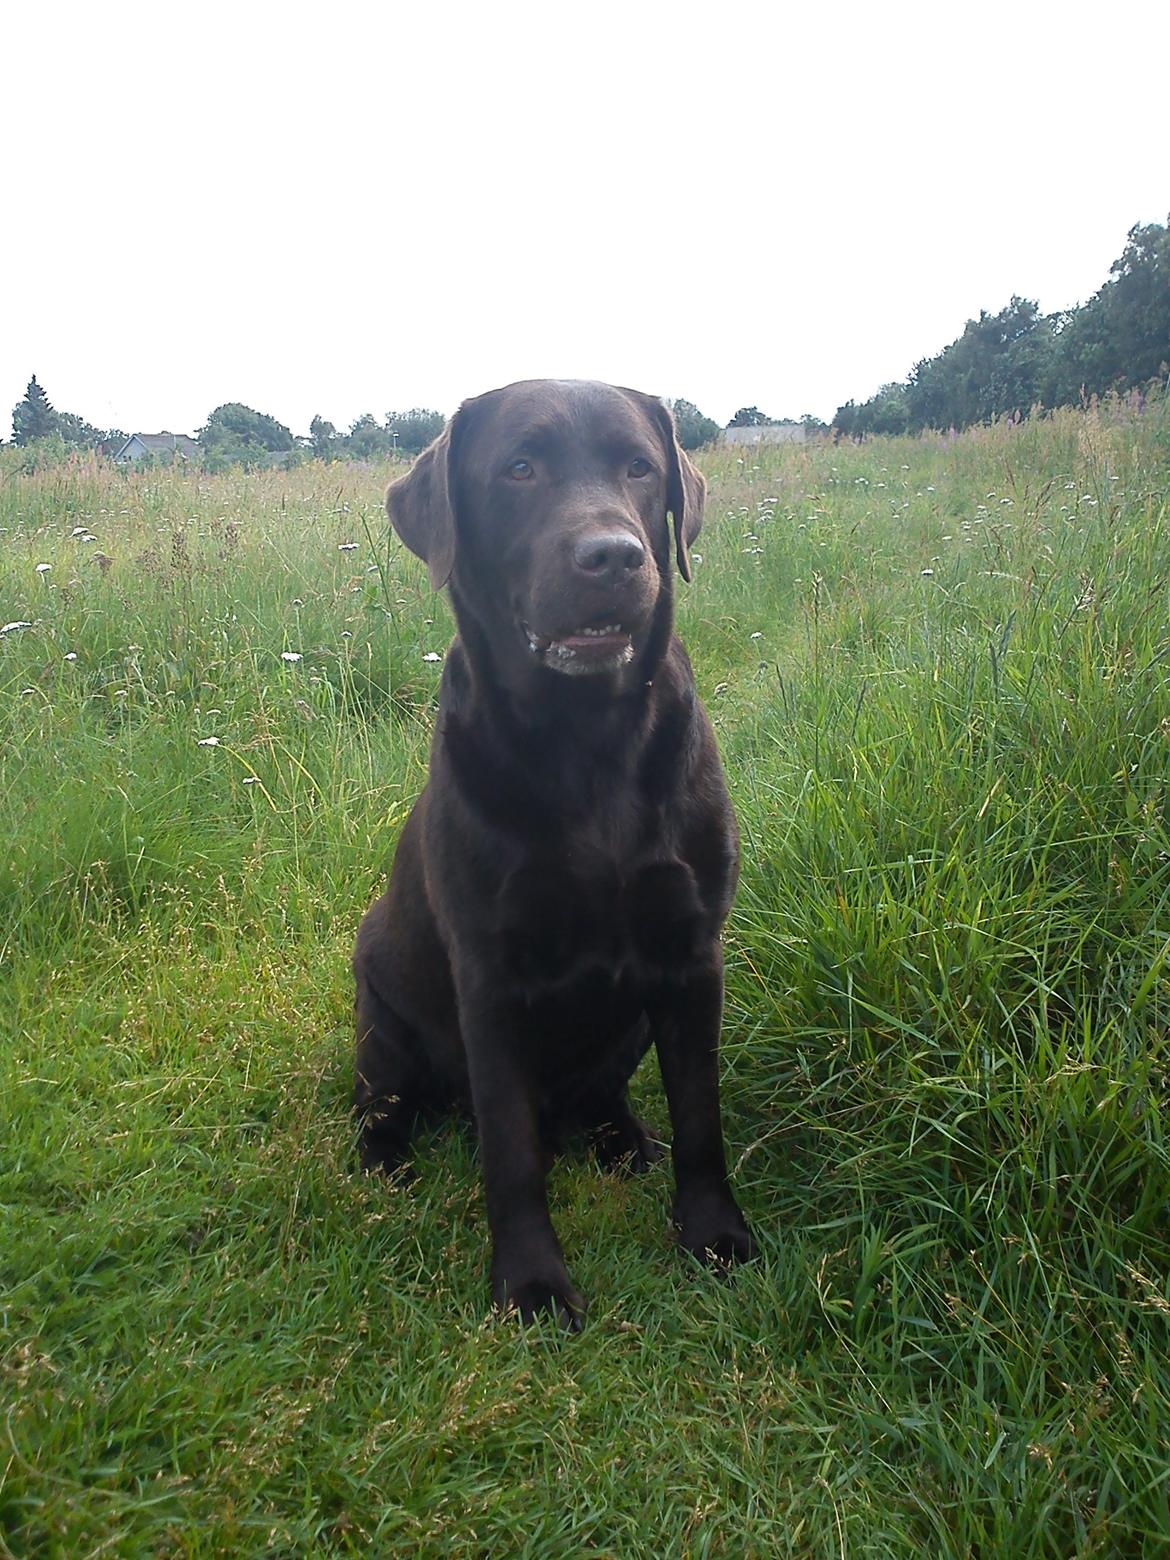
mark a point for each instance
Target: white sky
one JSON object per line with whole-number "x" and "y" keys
{"x": 346, "y": 208}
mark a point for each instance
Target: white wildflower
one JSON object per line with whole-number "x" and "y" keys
{"x": 11, "y": 628}
{"x": 208, "y": 741}
{"x": 432, "y": 656}
{"x": 290, "y": 655}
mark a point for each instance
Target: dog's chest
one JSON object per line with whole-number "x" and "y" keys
{"x": 574, "y": 927}
{"x": 582, "y": 949}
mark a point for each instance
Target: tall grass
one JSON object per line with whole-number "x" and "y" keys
{"x": 940, "y": 673}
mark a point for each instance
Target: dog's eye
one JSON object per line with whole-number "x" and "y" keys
{"x": 520, "y": 470}
{"x": 639, "y": 467}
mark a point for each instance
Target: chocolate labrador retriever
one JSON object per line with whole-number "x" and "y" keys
{"x": 559, "y": 888}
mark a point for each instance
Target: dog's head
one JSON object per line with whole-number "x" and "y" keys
{"x": 545, "y": 504}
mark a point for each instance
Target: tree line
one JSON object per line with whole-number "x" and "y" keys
{"x": 1005, "y": 364}
{"x": 1002, "y": 365}
{"x": 235, "y": 434}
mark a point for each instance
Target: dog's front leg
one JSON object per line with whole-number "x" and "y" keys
{"x": 687, "y": 1019}
{"x": 528, "y": 1270}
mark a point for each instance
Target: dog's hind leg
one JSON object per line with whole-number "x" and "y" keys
{"x": 618, "y": 1138}
{"x": 390, "y": 1088}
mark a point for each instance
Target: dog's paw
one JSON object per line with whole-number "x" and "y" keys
{"x": 383, "y": 1148}
{"x": 626, "y": 1146}
{"x": 712, "y": 1229}
{"x": 547, "y": 1293}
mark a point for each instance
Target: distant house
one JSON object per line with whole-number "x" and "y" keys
{"x": 766, "y": 433}
{"x": 176, "y": 446}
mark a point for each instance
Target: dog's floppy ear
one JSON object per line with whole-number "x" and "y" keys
{"x": 421, "y": 506}
{"x": 686, "y": 490}
{"x": 686, "y": 495}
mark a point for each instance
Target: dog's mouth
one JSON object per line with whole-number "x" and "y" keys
{"x": 603, "y": 647}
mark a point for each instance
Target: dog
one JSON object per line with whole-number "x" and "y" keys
{"x": 558, "y": 891}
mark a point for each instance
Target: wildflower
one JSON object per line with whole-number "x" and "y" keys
{"x": 249, "y": 779}
{"x": 72, "y": 655}
{"x": 347, "y": 547}
{"x": 432, "y": 656}
{"x": 43, "y": 568}
{"x": 290, "y": 655}
{"x": 696, "y": 557}
{"x": 208, "y": 741}
{"x": 756, "y": 635}
{"x": 927, "y": 573}
{"x": 10, "y": 628}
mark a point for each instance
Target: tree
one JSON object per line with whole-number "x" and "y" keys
{"x": 750, "y": 417}
{"x": 367, "y": 439}
{"x": 1121, "y": 337}
{"x": 693, "y": 428}
{"x": 412, "y": 431}
{"x": 885, "y": 412}
{"x": 34, "y": 417}
{"x": 75, "y": 430}
{"x": 996, "y": 367}
{"x": 234, "y": 433}
{"x": 322, "y": 438}
{"x": 1006, "y": 363}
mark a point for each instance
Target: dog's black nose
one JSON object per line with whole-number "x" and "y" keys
{"x": 609, "y": 554}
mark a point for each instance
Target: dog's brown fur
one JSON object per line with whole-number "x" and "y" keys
{"x": 558, "y": 891}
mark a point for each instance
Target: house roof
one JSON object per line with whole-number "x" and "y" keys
{"x": 164, "y": 443}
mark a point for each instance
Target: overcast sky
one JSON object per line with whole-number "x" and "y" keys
{"x": 336, "y": 208}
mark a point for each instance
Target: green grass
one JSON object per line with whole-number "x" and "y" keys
{"x": 947, "y": 1043}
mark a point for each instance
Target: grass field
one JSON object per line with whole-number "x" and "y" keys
{"x": 940, "y": 672}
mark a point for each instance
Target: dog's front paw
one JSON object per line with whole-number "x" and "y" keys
{"x": 535, "y": 1290}
{"x": 711, "y": 1227}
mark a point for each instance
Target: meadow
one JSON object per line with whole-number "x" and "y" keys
{"x": 940, "y": 674}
